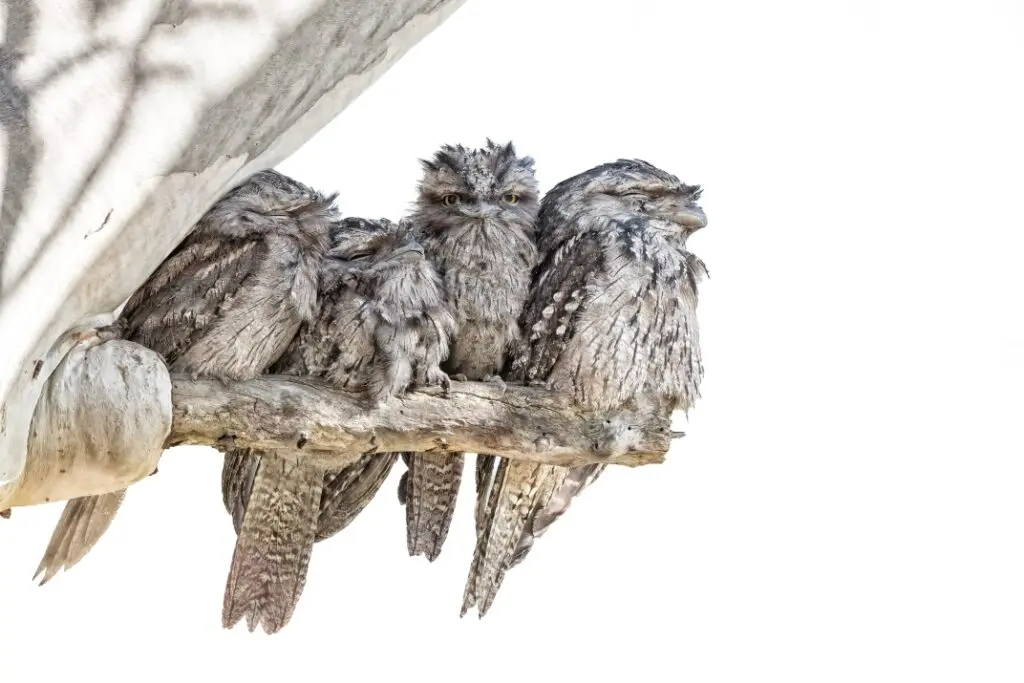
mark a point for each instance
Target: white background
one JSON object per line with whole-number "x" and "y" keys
{"x": 848, "y": 504}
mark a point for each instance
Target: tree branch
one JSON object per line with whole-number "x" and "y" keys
{"x": 319, "y": 423}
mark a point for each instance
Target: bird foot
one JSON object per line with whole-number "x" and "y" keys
{"x": 459, "y": 377}
{"x": 498, "y": 382}
{"x": 439, "y": 378}
{"x": 109, "y": 332}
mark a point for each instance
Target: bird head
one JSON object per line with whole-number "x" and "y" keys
{"x": 384, "y": 261}
{"x": 465, "y": 188}
{"x": 623, "y": 189}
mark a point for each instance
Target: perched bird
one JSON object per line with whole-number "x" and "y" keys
{"x": 475, "y": 212}
{"x": 225, "y": 304}
{"x": 382, "y": 325}
{"x": 612, "y": 321}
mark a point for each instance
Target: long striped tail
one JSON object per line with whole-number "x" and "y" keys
{"x": 518, "y": 490}
{"x": 431, "y": 488}
{"x": 275, "y": 542}
{"x": 80, "y": 527}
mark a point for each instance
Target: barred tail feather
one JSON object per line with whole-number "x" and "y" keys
{"x": 485, "y": 465}
{"x": 518, "y": 491}
{"x": 81, "y": 525}
{"x": 431, "y": 489}
{"x": 268, "y": 570}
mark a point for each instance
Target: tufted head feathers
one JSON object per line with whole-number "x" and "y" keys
{"x": 462, "y": 185}
{"x": 384, "y": 262}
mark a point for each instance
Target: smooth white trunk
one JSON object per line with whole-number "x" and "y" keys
{"x": 124, "y": 122}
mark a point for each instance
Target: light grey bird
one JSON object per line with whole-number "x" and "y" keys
{"x": 475, "y": 212}
{"x": 382, "y": 325}
{"x": 225, "y": 304}
{"x": 612, "y": 321}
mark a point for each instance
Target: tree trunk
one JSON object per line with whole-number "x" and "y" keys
{"x": 122, "y": 126}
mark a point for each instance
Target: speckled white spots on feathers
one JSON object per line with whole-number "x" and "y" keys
{"x": 611, "y": 319}
{"x": 626, "y": 325}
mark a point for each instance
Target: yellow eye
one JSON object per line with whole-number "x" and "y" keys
{"x": 450, "y": 199}
{"x": 511, "y": 198}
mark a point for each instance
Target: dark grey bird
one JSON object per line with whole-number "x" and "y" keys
{"x": 225, "y": 304}
{"x": 382, "y": 325}
{"x": 612, "y": 321}
{"x": 475, "y": 212}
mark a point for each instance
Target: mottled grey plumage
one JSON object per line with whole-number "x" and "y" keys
{"x": 224, "y": 304}
{"x": 382, "y": 324}
{"x": 475, "y": 212}
{"x": 611, "y": 320}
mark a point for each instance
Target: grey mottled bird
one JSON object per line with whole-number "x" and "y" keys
{"x": 612, "y": 321}
{"x": 475, "y": 212}
{"x": 225, "y": 304}
{"x": 382, "y": 325}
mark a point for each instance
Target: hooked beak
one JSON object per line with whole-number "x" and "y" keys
{"x": 410, "y": 250}
{"x": 481, "y": 210}
{"x": 691, "y": 217}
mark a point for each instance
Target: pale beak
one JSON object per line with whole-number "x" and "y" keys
{"x": 413, "y": 249}
{"x": 691, "y": 217}
{"x": 481, "y": 210}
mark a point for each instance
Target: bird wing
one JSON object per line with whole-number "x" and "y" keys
{"x": 575, "y": 480}
{"x": 182, "y": 300}
{"x": 348, "y": 491}
{"x": 560, "y": 293}
{"x": 237, "y": 476}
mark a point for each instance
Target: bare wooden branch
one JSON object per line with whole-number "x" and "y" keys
{"x": 328, "y": 426}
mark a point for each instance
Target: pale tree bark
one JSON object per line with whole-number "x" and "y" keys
{"x": 100, "y": 424}
{"x": 109, "y": 410}
{"x": 121, "y": 126}
{"x": 331, "y": 428}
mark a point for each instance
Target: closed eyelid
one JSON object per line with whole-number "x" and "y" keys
{"x": 442, "y": 191}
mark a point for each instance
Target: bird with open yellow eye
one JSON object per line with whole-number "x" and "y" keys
{"x": 475, "y": 212}
{"x": 453, "y": 199}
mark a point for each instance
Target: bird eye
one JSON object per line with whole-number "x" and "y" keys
{"x": 450, "y": 199}
{"x": 638, "y": 199}
{"x": 511, "y": 198}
